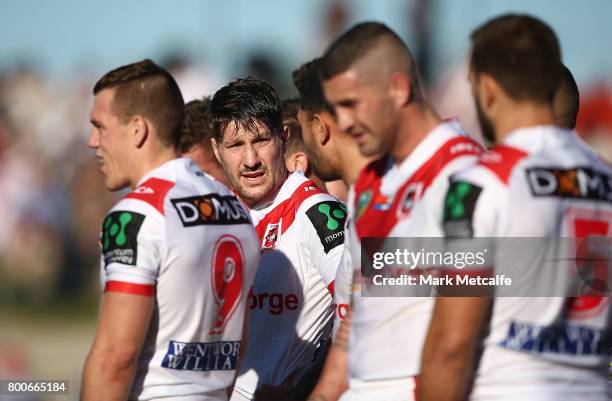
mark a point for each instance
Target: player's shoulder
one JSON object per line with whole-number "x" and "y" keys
{"x": 325, "y": 215}
{"x": 151, "y": 193}
{"x": 317, "y": 198}
{"x": 199, "y": 199}
{"x": 498, "y": 165}
{"x": 493, "y": 169}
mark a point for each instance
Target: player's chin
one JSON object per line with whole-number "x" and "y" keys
{"x": 370, "y": 149}
{"x": 254, "y": 193}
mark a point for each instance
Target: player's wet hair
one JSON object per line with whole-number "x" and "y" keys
{"x": 246, "y": 102}
{"x": 195, "y": 129}
{"x": 566, "y": 101}
{"x": 295, "y": 141}
{"x": 308, "y": 83}
{"x": 145, "y": 89}
{"x": 521, "y": 53}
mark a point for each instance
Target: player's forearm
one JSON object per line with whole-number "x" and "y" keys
{"x": 107, "y": 376}
{"x": 449, "y": 352}
{"x": 445, "y": 373}
{"x": 333, "y": 381}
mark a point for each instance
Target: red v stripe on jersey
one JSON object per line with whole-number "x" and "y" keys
{"x": 501, "y": 160}
{"x": 286, "y": 209}
{"x": 378, "y": 223}
{"x": 153, "y": 191}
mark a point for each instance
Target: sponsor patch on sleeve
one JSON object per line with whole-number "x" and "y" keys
{"x": 120, "y": 237}
{"x": 328, "y": 218}
{"x": 459, "y": 208}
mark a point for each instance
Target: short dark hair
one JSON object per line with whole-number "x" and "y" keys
{"x": 521, "y": 53}
{"x": 145, "y": 88}
{"x": 195, "y": 129}
{"x": 307, "y": 80}
{"x": 566, "y": 101}
{"x": 295, "y": 142}
{"x": 354, "y": 44}
{"x": 245, "y": 101}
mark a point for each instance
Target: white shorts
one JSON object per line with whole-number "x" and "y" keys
{"x": 389, "y": 390}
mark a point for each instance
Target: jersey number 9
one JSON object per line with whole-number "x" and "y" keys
{"x": 227, "y": 279}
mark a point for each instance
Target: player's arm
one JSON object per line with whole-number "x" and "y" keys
{"x": 110, "y": 365}
{"x": 456, "y": 327}
{"x": 334, "y": 378}
{"x": 451, "y": 346}
{"x": 129, "y": 264}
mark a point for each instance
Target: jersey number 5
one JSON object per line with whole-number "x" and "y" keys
{"x": 583, "y": 306}
{"x": 227, "y": 271}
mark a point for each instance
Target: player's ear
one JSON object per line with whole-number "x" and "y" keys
{"x": 139, "y": 130}
{"x": 215, "y": 148}
{"x": 400, "y": 88}
{"x": 488, "y": 92}
{"x": 320, "y": 129}
{"x": 297, "y": 161}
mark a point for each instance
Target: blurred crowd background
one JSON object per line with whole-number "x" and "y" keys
{"x": 52, "y": 199}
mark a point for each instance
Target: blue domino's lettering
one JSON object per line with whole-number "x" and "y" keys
{"x": 558, "y": 339}
{"x": 221, "y": 355}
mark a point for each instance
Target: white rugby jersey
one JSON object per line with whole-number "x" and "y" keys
{"x": 183, "y": 238}
{"x": 343, "y": 282}
{"x": 540, "y": 182}
{"x": 290, "y": 317}
{"x": 388, "y": 200}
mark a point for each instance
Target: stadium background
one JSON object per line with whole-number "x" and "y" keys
{"x": 52, "y": 199}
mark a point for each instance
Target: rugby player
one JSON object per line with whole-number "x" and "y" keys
{"x": 539, "y": 180}
{"x": 179, "y": 253}
{"x": 335, "y": 155}
{"x": 370, "y": 79}
{"x": 196, "y": 136}
{"x": 301, "y": 237}
{"x": 296, "y": 158}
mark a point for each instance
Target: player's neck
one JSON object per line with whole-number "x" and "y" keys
{"x": 150, "y": 161}
{"x": 521, "y": 115}
{"x": 416, "y": 122}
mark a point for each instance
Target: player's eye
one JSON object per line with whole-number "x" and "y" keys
{"x": 262, "y": 140}
{"x": 234, "y": 145}
{"x": 349, "y": 103}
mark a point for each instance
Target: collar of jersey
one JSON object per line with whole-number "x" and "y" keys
{"x": 536, "y": 138}
{"x": 166, "y": 170}
{"x": 395, "y": 176}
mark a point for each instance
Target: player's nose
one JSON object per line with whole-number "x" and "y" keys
{"x": 94, "y": 139}
{"x": 250, "y": 158}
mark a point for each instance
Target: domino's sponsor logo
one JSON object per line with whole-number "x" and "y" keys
{"x": 202, "y": 357}
{"x": 211, "y": 209}
{"x": 559, "y": 339}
